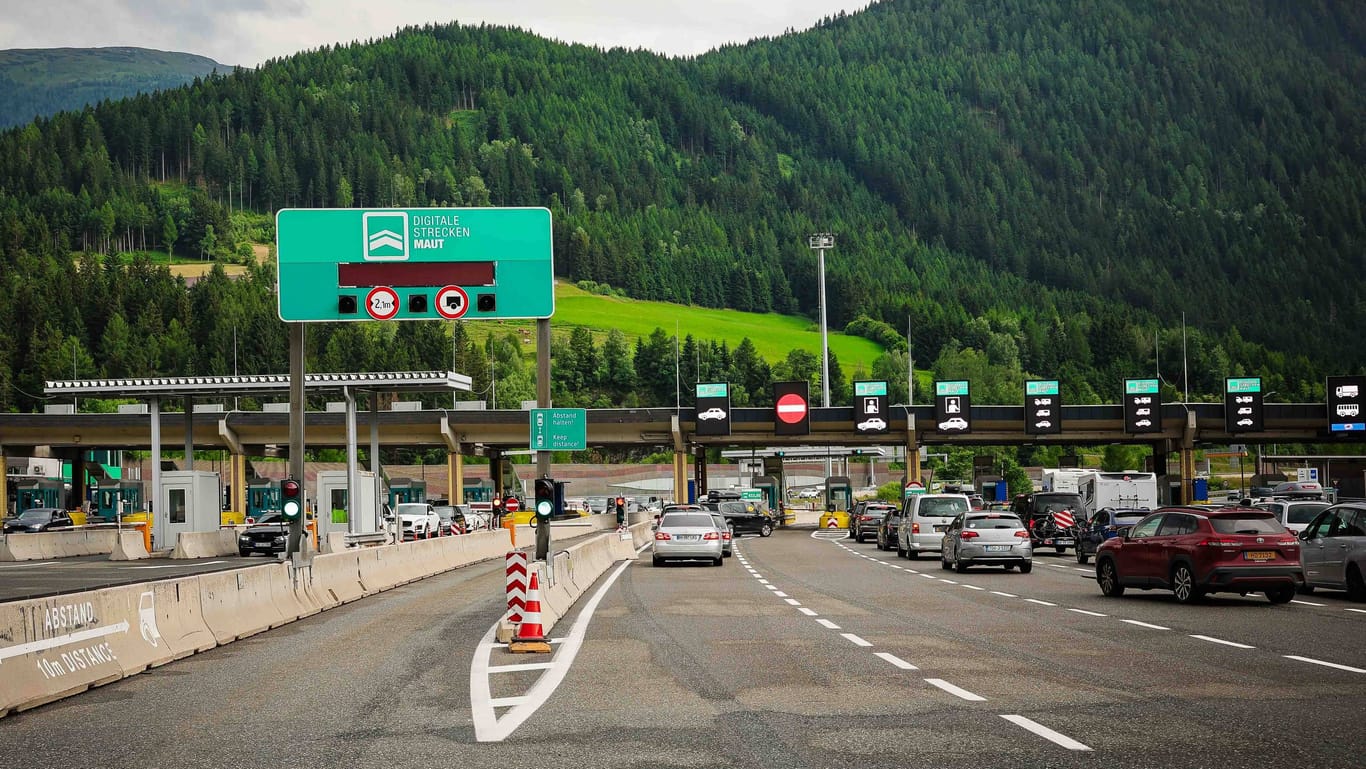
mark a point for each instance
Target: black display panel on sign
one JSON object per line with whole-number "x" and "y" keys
{"x": 791, "y": 409}
{"x": 1042, "y": 407}
{"x": 952, "y": 407}
{"x": 1243, "y": 404}
{"x": 1142, "y": 406}
{"x": 870, "y": 408}
{"x": 1347, "y": 404}
{"x": 713, "y": 409}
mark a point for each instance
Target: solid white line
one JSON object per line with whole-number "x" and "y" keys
{"x": 973, "y": 587}
{"x": 1313, "y": 661}
{"x": 793, "y": 602}
{"x": 808, "y": 612}
{"x": 825, "y": 623}
{"x": 1046, "y": 733}
{"x": 954, "y": 690}
{"x": 1306, "y": 603}
{"x": 173, "y": 565}
{"x": 488, "y": 727}
{"x": 521, "y": 666}
{"x": 855, "y": 640}
{"x": 780, "y": 594}
{"x": 1222, "y": 641}
{"x": 507, "y": 702}
{"x": 1144, "y": 624}
{"x": 895, "y": 660}
{"x": 1004, "y": 595}
{"x": 1089, "y": 613}
{"x": 25, "y": 565}
{"x": 1041, "y": 603}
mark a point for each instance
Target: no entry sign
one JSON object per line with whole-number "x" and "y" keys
{"x": 791, "y": 410}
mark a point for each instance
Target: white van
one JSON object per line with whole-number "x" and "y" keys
{"x": 924, "y": 519}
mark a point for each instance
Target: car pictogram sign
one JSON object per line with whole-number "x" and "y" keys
{"x": 381, "y": 303}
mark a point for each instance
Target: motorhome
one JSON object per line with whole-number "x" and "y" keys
{"x": 1062, "y": 479}
{"x": 1128, "y": 489}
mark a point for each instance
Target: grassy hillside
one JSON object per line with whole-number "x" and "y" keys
{"x": 37, "y": 82}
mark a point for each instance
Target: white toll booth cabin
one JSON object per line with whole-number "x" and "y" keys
{"x": 190, "y": 501}
{"x": 331, "y": 499}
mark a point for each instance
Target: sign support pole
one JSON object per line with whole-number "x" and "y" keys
{"x": 543, "y": 401}
{"x": 296, "y": 430}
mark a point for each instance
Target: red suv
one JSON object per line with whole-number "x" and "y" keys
{"x": 1192, "y": 551}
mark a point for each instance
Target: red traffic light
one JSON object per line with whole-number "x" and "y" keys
{"x": 289, "y": 488}
{"x": 621, "y": 501}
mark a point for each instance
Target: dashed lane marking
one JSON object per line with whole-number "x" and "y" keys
{"x": 973, "y": 587}
{"x": 825, "y": 623}
{"x": 1214, "y": 640}
{"x": 1004, "y": 595}
{"x": 895, "y": 660}
{"x": 1089, "y": 613}
{"x": 793, "y": 602}
{"x": 1333, "y": 665}
{"x": 954, "y": 690}
{"x": 1045, "y": 732}
{"x": 855, "y": 640}
{"x": 1306, "y": 603}
{"x": 807, "y": 612}
{"x": 1041, "y": 603}
{"x": 1144, "y": 624}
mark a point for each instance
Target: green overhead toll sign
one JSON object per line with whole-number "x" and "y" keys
{"x": 339, "y": 264}
{"x": 559, "y": 430}
{"x": 1244, "y": 385}
{"x": 1140, "y": 386}
{"x": 950, "y": 388}
{"x": 713, "y": 390}
{"x": 870, "y": 388}
{"x": 1041, "y": 387}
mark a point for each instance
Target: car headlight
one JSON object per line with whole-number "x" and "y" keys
{"x": 244, "y": 538}
{"x": 278, "y": 541}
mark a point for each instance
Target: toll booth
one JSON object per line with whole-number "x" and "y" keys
{"x": 772, "y": 489}
{"x": 478, "y": 490}
{"x": 109, "y": 494}
{"x": 43, "y": 492}
{"x": 839, "y": 493}
{"x": 189, "y": 502}
{"x": 263, "y": 496}
{"x": 406, "y": 490}
{"x": 331, "y": 501}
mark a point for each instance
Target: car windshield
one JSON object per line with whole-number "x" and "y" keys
{"x": 993, "y": 522}
{"x": 412, "y": 508}
{"x": 732, "y": 507}
{"x": 1129, "y": 518}
{"x": 1246, "y": 524}
{"x": 271, "y": 518}
{"x": 1303, "y": 513}
{"x": 875, "y": 510}
{"x": 681, "y": 520}
{"x": 36, "y": 515}
{"x": 942, "y": 508}
{"x": 446, "y": 513}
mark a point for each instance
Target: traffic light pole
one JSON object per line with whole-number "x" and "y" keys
{"x": 543, "y": 401}
{"x": 295, "y": 542}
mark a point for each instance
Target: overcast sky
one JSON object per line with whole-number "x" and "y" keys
{"x": 247, "y": 32}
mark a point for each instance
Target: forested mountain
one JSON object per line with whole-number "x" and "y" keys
{"x": 39, "y": 82}
{"x": 1040, "y": 188}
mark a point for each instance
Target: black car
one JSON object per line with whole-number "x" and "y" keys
{"x": 1106, "y": 523}
{"x": 746, "y": 517}
{"x": 268, "y": 535}
{"x": 36, "y": 519}
{"x": 865, "y": 518}
{"x": 889, "y": 529}
{"x": 452, "y": 519}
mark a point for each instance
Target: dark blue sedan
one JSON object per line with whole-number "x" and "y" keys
{"x": 1106, "y": 523}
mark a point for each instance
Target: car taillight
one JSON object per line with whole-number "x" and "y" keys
{"x": 712, "y": 535}
{"x": 1221, "y": 543}
{"x": 865, "y": 518}
{"x": 725, "y": 536}
{"x": 968, "y": 535}
{"x": 915, "y": 528}
{"x": 1022, "y": 534}
{"x": 661, "y": 535}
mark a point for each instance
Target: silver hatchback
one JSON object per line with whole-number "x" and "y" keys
{"x": 987, "y": 539}
{"x": 687, "y": 535}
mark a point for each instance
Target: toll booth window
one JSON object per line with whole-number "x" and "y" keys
{"x": 339, "y": 499}
{"x": 177, "y": 506}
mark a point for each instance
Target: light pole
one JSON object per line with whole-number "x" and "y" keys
{"x": 821, "y": 241}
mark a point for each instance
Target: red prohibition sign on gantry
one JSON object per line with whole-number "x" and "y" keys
{"x": 452, "y": 302}
{"x": 791, "y": 408}
{"x": 381, "y": 303}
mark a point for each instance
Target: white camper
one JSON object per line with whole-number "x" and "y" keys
{"x": 1128, "y": 489}
{"x": 1062, "y": 479}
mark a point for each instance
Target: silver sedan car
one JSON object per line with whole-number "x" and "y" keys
{"x": 687, "y": 534}
{"x": 982, "y": 538}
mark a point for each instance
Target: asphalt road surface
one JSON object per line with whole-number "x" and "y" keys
{"x": 798, "y": 652}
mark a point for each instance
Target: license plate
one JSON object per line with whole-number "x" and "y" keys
{"x": 940, "y": 528}
{"x": 262, "y": 545}
{"x": 689, "y": 537}
{"x": 997, "y": 548}
{"x": 1259, "y": 555}
{"x": 1063, "y": 542}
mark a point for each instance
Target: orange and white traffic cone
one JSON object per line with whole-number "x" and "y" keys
{"x": 530, "y": 638}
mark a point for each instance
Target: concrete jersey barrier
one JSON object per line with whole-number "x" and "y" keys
{"x": 48, "y": 545}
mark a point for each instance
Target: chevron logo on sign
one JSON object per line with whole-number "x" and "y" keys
{"x": 386, "y": 236}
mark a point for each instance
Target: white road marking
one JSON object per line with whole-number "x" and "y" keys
{"x": 793, "y": 602}
{"x": 1004, "y": 595}
{"x": 1306, "y": 603}
{"x": 488, "y": 727}
{"x": 763, "y": 582}
{"x": 1041, "y": 603}
{"x": 954, "y": 690}
{"x": 758, "y": 576}
{"x": 855, "y": 640}
{"x": 520, "y": 666}
{"x": 1313, "y": 661}
{"x": 913, "y": 571}
{"x": 1046, "y": 733}
{"x": 1059, "y": 566}
{"x": 895, "y": 660}
{"x": 928, "y": 576}
{"x": 772, "y": 587}
{"x": 1089, "y": 613}
{"x": 1144, "y": 624}
{"x": 1087, "y": 571}
{"x": 507, "y": 702}
{"x": 825, "y": 623}
{"x": 973, "y": 587}
{"x": 173, "y": 565}
{"x": 807, "y": 612}
{"x": 1358, "y": 611}
{"x": 25, "y": 565}
{"x": 780, "y": 594}
{"x": 951, "y": 582}
{"x": 1214, "y": 640}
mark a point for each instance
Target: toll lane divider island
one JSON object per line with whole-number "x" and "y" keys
{"x": 58, "y": 646}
